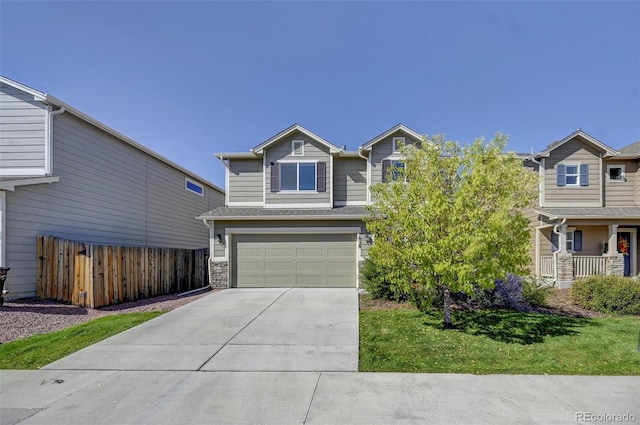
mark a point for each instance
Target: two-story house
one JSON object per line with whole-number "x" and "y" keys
{"x": 588, "y": 215}
{"x": 65, "y": 174}
{"x": 294, "y": 207}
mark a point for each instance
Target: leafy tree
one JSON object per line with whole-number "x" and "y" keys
{"x": 453, "y": 217}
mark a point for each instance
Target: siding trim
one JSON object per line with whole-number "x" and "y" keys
{"x": 244, "y": 204}
{"x": 276, "y": 206}
{"x": 350, "y": 203}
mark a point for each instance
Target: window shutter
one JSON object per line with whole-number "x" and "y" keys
{"x": 385, "y": 168}
{"x": 554, "y": 242}
{"x": 275, "y": 177}
{"x": 584, "y": 175}
{"x": 577, "y": 240}
{"x": 561, "y": 176}
{"x": 321, "y": 176}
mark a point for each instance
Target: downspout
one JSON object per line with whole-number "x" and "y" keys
{"x": 366, "y": 158}
{"x": 555, "y": 254}
{"x": 211, "y": 247}
{"x": 49, "y": 141}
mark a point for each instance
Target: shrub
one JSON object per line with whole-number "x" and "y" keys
{"x": 376, "y": 283}
{"x": 508, "y": 293}
{"x": 535, "y": 292}
{"x": 607, "y": 294}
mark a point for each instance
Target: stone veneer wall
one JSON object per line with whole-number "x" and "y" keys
{"x": 219, "y": 277}
{"x": 565, "y": 270}
{"x": 614, "y": 265}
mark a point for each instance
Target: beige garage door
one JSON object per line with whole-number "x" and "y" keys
{"x": 293, "y": 260}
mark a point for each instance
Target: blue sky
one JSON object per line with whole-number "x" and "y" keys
{"x": 188, "y": 79}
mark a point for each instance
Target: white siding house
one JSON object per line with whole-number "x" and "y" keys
{"x": 63, "y": 173}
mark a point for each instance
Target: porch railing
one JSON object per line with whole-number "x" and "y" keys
{"x": 546, "y": 266}
{"x": 584, "y": 266}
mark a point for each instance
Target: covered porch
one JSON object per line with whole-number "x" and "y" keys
{"x": 571, "y": 243}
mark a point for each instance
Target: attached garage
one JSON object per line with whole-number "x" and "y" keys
{"x": 294, "y": 260}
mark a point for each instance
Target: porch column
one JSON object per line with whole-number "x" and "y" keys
{"x": 614, "y": 264}
{"x": 564, "y": 260}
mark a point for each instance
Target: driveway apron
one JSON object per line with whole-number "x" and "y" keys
{"x": 237, "y": 330}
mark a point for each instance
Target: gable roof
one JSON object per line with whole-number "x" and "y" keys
{"x": 398, "y": 127}
{"x": 631, "y": 151}
{"x": 608, "y": 151}
{"x": 296, "y": 127}
{"x": 50, "y": 100}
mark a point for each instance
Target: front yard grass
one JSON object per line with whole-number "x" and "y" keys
{"x": 40, "y": 350}
{"x": 498, "y": 341}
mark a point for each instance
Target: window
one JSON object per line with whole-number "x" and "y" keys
{"x": 298, "y": 176}
{"x": 570, "y": 236}
{"x": 194, "y": 187}
{"x": 397, "y": 169}
{"x": 616, "y": 173}
{"x": 297, "y": 147}
{"x": 398, "y": 142}
{"x": 572, "y": 175}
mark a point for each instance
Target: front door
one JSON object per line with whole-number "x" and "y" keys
{"x": 626, "y": 248}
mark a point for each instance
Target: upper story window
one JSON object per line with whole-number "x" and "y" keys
{"x": 572, "y": 175}
{"x": 616, "y": 173}
{"x": 193, "y": 186}
{"x": 297, "y": 147}
{"x": 398, "y": 143}
{"x": 392, "y": 170}
{"x": 298, "y": 176}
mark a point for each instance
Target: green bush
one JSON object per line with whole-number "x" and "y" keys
{"x": 535, "y": 292}
{"x": 607, "y": 294}
{"x": 376, "y": 283}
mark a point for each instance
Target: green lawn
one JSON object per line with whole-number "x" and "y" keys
{"x": 40, "y": 350}
{"x": 493, "y": 341}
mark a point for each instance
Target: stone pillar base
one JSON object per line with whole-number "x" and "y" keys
{"x": 614, "y": 265}
{"x": 219, "y": 277}
{"x": 565, "y": 267}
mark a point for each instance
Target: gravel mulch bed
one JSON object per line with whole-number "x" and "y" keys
{"x": 31, "y": 316}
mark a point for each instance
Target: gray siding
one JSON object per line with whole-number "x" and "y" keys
{"x": 109, "y": 192}
{"x": 312, "y": 151}
{"x": 349, "y": 180}
{"x": 621, "y": 193}
{"x": 245, "y": 180}
{"x": 573, "y": 152}
{"x": 383, "y": 150}
{"x": 22, "y": 132}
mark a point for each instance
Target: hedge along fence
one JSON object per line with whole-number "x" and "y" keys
{"x": 99, "y": 275}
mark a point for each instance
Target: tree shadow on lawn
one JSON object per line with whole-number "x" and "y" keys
{"x": 510, "y": 326}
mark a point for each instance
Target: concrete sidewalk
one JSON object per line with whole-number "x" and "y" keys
{"x": 163, "y": 397}
{"x": 280, "y": 356}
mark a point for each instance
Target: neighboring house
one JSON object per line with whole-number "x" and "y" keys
{"x": 588, "y": 215}
{"x": 293, "y": 210}
{"x": 63, "y": 173}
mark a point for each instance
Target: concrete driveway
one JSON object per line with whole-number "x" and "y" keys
{"x": 238, "y": 330}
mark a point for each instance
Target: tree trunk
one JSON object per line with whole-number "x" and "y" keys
{"x": 447, "y": 309}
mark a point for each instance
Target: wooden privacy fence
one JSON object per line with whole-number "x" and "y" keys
{"x": 99, "y": 275}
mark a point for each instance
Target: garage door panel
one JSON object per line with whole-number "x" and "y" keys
{"x": 294, "y": 260}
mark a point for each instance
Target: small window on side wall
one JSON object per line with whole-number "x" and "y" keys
{"x": 297, "y": 147}
{"x": 398, "y": 143}
{"x": 616, "y": 173}
{"x": 193, "y": 186}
